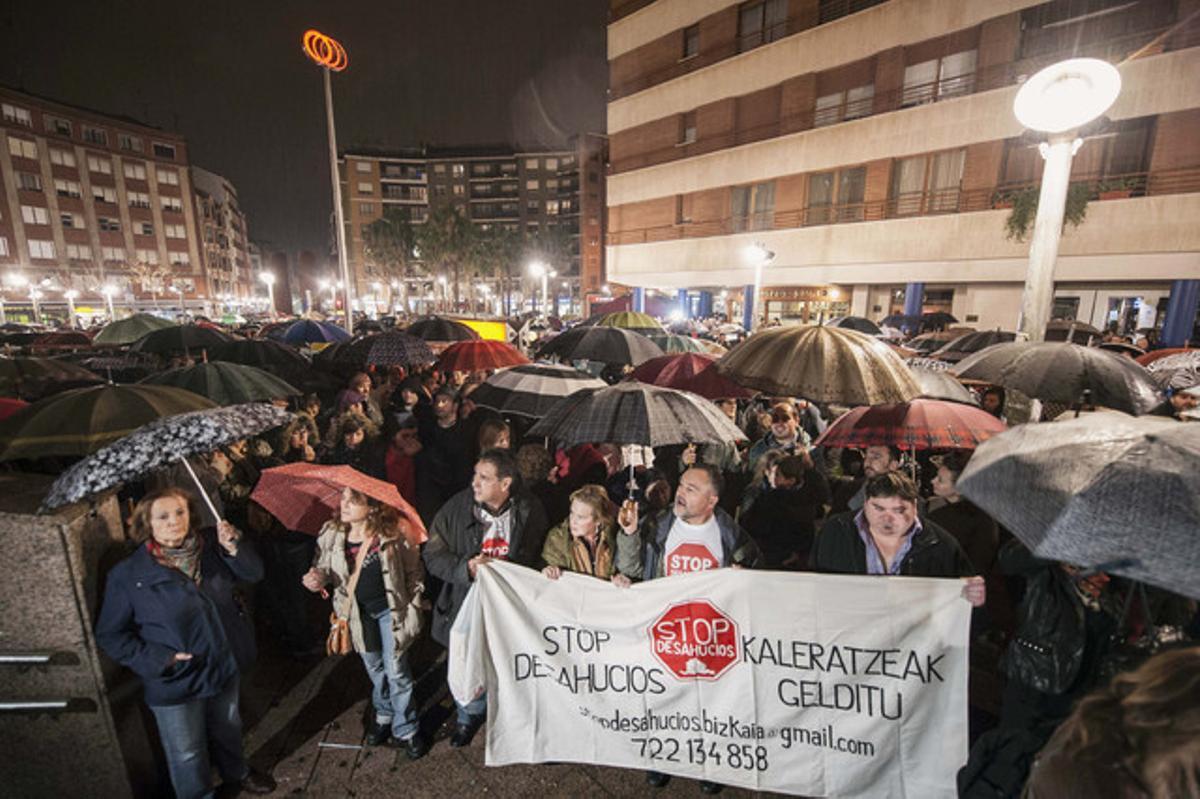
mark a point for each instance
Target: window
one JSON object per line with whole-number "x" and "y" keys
{"x": 41, "y": 249}
{"x": 531, "y": 164}
{"x": 164, "y": 151}
{"x": 366, "y": 209}
{"x": 69, "y": 220}
{"x": 829, "y": 10}
{"x": 439, "y": 169}
{"x": 4, "y": 246}
{"x": 107, "y": 223}
{"x": 363, "y": 166}
{"x": 22, "y": 148}
{"x": 145, "y": 228}
{"x": 79, "y": 252}
{"x": 551, "y": 163}
{"x": 533, "y": 206}
{"x": 34, "y": 215}
{"x": 17, "y": 115}
{"x": 458, "y": 170}
{"x": 27, "y": 181}
{"x": 99, "y": 164}
{"x": 939, "y": 79}
{"x": 62, "y": 157}
{"x": 135, "y": 170}
{"x": 175, "y": 231}
{"x": 66, "y": 188}
{"x": 682, "y": 217}
{"x": 761, "y": 22}
{"x": 533, "y": 185}
{"x": 179, "y": 258}
{"x": 753, "y": 207}
{"x": 104, "y": 194}
{"x": 138, "y": 199}
{"x": 95, "y": 135}
{"x": 56, "y": 125}
{"x": 927, "y": 184}
{"x": 552, "y": 183}
{"x": 147, "y": 256}
{"x": 112, "y": 253}
{"x": 687, "y": 127}
{"x": 840, "y": 106}
{"x": 168, "y": 177}
{"x": 552, "y": 207}
{"x": 129, "y": 142}
{"x": 459, "y": 190}
{"x": 173, "y": 204}
{"x": 836, "y": 196}
{"x": 691, "y": 41}
{"x": 365, "y": 188}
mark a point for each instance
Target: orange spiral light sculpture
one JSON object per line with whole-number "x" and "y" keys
{"x": 326, "y": 51}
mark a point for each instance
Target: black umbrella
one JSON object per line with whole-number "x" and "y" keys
{"x": 612, "y": 345}
{"x": 531, "y": 390}
{"x": 1107, "y": 491}
{"x": 937, "y": 320}
{"x": 226, "y": 383}
{"x": 1061, "y": 372}
{"x": 31, "y": 379}
{"x": 859, "y": 323}
{"x": 1071, "y": 330}
{"x": 180, "y": 338}
{"x": 435, "y": 328}
{"x": 265, "y": 354}
{"x": 940, "y": 384}
{"x": 159, "y": 443}
{"x": 901, "y": 321}
{"x": 393, "y": 348}
{"x": 968, "y": 343}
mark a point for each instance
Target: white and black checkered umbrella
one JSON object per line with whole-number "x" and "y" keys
{"x": 1104, "y": 490}
{"x": 611, "y": 345}
{"x": 159, "y": 443}
{"x": 531, "y": 390}
{"x": 636, "y": 413}
{"x": 1178, "y": 371}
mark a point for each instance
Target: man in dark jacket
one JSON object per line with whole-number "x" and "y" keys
{"x": 491, "y": 520}
{"x": 887, "y": 537}
{"x": 444, "y": 466}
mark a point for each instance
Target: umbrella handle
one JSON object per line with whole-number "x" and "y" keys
{"x": 203, "y": 494}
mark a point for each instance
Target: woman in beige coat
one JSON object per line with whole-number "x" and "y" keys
{"x": 384, "y": 615}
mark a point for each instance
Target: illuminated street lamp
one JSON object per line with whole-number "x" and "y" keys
{"x": 179, "y": 290}
{"x": 71, "y": 294}
{"x": 375, "y": 298}
{"x": 108, "y": 292}
{"x": 445, "y": 291}
{"x": 269, "y": 279}
{"x": 758, "y": 254}
{"x": 540, "y": 270}
{"x": 1057, "y": 101}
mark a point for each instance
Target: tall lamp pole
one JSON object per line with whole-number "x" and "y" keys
{"x": 70, "y": 295}
{"x": 331, "y": 56}
{"x": 1058, "y": 101}
{"x": 760, "y": 256}
{"x": 269, "y": 279}
{"x": 108, "y": 292}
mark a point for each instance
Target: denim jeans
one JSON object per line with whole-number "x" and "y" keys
{"x": 392, "y": 683}
{"x": 472, "y": 712}
{"x": 191, "y": 730}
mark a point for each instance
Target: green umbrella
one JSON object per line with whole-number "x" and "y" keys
{"x": 225, "y": 383}
{"x": 33, "y": 378}
{"x": 83, "y": 420}
{"x": 673, "y": 344}
{"x": 127, "y": 331}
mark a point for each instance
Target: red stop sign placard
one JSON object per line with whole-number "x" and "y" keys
{"x": 695, "y": 640}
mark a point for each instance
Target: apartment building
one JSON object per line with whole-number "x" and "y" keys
{"x": 93, "y": 200}
{"x": 226, "y": 244}
{"x": 871, "y": 146}
{"x": 530, "y": 192}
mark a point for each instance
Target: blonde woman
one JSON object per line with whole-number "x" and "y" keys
{"x": 586, "y": 541}
{"x": 384, "y": 613}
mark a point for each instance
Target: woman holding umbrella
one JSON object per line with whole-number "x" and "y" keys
{"x": 170, "y": 615}
{"x": 379, "y": 580}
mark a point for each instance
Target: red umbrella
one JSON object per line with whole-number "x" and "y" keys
{"x": 9, "y": 406}
{"x": 1154, "y": 355}
{"x": 918, "y": 424}
{"x": 62, "y": 338}
{"x": 689, "y": 371}
{"x": 303, "y": 496}
{"x": 474, "y": 356}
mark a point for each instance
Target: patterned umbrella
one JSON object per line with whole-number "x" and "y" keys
{"x": 226, "y": 383}
{"x": 83, "y": 420}
{"x": 635, "y": 413}
{"x": 612, "y": 345}
{"x": 626, "y": 320}
{"x": 159, "y": 443}
{"x": 1061, "y": 372}
{"x": 435, "y": 328}
{"x": 1154, "y": 355}
{"x": 969, "y": 343}
{"x": 861, "y": 324}
{"x": 672, "y": 343}
{"x": 927, "y": 343}
{"x": 822, "y": 364}
{"x": 919, "y": 424}
{"x": 394, "y": 348}
{"x": 179, "y": 338}
{"x": 1104, "y": 490}
{"x": 939, "y": 384}
{"x": 472, "y": 356}
{"x": 34, "y": 378}
{"x": 928, "y": 364}
{"x": 303, "y": 496}
{"x": 689, "y": 372}
{"x": 531, "y": 390}
{"x": 306, "y": 331}
{"x": 127, "y": 331}
{"x": 268, "y": 355}
{"x": 1179, "y": 371}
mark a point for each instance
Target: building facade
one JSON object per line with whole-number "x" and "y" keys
{"x": 94, "y": 201}
{"x": 871, "y": 146}
{"x": 225, "y": 240}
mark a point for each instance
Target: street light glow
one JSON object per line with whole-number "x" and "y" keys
{"x": 537, "y": 269}
{"x": 267, "y": 277}
{"x": 71, "y": 294}
{"x": 1066, "y": 95}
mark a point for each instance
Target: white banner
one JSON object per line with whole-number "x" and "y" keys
{"x": 811, "y": 684}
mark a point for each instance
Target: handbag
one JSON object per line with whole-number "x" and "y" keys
{"x": 339, "y": 641}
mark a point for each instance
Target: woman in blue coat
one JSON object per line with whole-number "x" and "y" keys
{"x": 170, "y": 615}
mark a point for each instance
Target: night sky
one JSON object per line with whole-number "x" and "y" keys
{"x": 231, "y": 77}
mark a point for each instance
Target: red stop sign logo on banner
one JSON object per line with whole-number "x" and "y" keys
{"x": 695, "y": 640}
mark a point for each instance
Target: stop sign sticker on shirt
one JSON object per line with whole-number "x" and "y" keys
{"x": 690, "y": 557}
{"x": 695, "y": 640}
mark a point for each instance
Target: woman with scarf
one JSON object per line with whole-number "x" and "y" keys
{"x": 378, "y": 581}
{"x": 586, "y": 542}
{"x": 170, "y": 615}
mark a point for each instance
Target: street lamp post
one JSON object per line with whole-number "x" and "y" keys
{"x": 71, "y": 294}
{"x": 35, "y": 294}
{"x": 108, "y": 292}
{"x": 1057, "y": 101}
{"x": 179, "y": 290}
{"x": 331, "y": 56}
{"x": 760, "y": 256}
{"x": 445, "y": 291}
{"x": 269, "y": 279}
